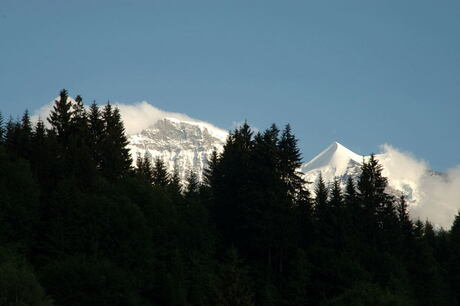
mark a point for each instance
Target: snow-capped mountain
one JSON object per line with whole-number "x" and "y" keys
{"x": 334, "y": 161}
{"x": 182, "y": 145}
{"x": 187, "y": 145}
{"x": 338, "y": 161}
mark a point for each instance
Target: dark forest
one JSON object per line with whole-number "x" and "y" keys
{"x": 80, "y": 225}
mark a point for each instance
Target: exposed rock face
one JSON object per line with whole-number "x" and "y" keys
{"x": 185, "y": 146}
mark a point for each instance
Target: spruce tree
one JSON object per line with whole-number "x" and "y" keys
{"x": 60, "y": 118}
{"x": 24, "y": 137}
{"x": 338, "y": 216}
{"x": 174, "y": 184}
{"x": 193, "y": 186}
{"x": 403, "y": 218}
{"x": 26, "y": 125}
{"x": 80, "y": 123}
{"x": 160, "y": 175}
{"x": 78, "y": 109}
{"x": 290, "y": 160}
{"x": 39, "y": 133}
{"x": 267, "y": 213}
{"x": 116, "y": 160}
{"x": 231, "y": 184}
{"x": 41, "y": 151}
{"x": 375, "y": 203}
{"x": 144, "y": 167}
{"x": 322, "y": 210}
{"x": 12, "y": 138}
{"x": 80, "y": 159}
{"x": 350, "y": 193}
{"x": 323, "y": 214}
{"x": 336, "y": 200}
{"x": 96, "y": 133}
{"x": 352, "y": 215}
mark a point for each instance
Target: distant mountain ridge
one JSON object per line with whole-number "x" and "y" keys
{"x": 187, "y": 146}
{"x": 337, "y": 161}
{"x": 182, "y": 145}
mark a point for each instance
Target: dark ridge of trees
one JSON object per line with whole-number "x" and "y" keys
{"x": 80, "y": 226}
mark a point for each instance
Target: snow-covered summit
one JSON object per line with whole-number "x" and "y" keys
{"x": 204, "y": 127}
{"x": 339, "y": 162}
{"x": 335, "y": 161}
{"x": 182, "y": 145}
{"x": 336, "y": 156}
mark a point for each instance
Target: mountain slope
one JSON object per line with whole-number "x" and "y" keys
{"x": 338, "y": 161}
{"x": 334, "y": 161}
{"x": 187, "y": 145}
{"x": 182, "y": 145}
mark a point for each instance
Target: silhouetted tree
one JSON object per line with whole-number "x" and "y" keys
{"x": 60, "y": 118}
{"x": 96, "y": 133}
{"x": 160, "y": 176}
{"x": 116, "y": 160}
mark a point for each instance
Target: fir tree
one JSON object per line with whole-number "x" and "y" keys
{"x": 208, "y": 172}
{"x": 350, "y": 193}
{"x": 39, "y": 133}
{"x": 41, "y": 151}
{"x": 174, "y": 184}
{"x": 24, "y": 137}
{"x": 96, "y": 133}
{"x": 290, "y": 160}
{"x": 160, "y": 175}
{"x": 116, "y": 160}
{"x": 12, "y": 138}
{"x": 144, "y": 167}
{"x": 324, "y": 214}
{"x": 321, "y": 199}
{"x": 374, "y": 202}
{"x": 231, "y": 180}
{"x": 78, "y": 109}
{"x": 338, "y": 215}
{"x": 26, "y": 125}
{"x": 193, "y": 186}
{"x": 336, "y": 200}
{"x": 80, "y": 123}
{"x": 403, "y": 218}
{"x": 60, "y": 118}
{"x": 80, "y": 154}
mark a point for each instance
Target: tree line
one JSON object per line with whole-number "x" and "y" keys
{"x": 79, "y": 225}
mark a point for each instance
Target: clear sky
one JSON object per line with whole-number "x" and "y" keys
{"x": 362, "y": 73}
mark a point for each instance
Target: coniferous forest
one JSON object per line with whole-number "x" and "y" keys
{"x": 79, "y": 225}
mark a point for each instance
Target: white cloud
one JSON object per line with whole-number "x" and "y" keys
{"x": 137, "y": 116}
{"x": 437, "y": 196}
{"x": 141, "y": 115}
{"x": 44, "y": 111}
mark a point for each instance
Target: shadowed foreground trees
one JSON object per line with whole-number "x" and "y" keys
{"x": 80, "y": 226}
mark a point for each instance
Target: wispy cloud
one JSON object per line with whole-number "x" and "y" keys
{"x": 438, "y": 198}
{"x": 136, "y": 116}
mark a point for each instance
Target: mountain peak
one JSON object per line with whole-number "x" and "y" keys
{"x": 336, "y": 156}
{"x": 183, "y": 145}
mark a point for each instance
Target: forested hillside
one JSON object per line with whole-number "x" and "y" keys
{"x": 80, "y": 226}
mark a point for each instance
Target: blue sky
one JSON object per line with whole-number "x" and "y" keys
{"x": 362, "y": 73}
